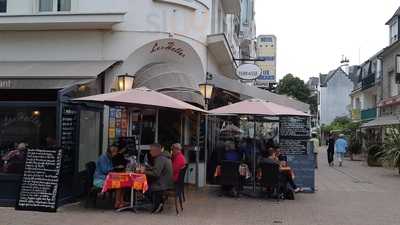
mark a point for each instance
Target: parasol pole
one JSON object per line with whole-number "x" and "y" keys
{"x": 254, "y": 155}
{"x": 140, "y": 134}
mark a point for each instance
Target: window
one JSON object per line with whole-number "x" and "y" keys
{"x": 3, "y": 6}
{"x": 54, "y": 5}
{"x": 45, "y": 5}
{"x": 21, "y": 128}
{"x": 394, "y": 30}
{"x": 64, "y": 5}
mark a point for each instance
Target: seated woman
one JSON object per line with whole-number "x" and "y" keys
{"x": 231, "y": 153}
{"x": 104, "y": 165}
{"x": 287, "y": 172}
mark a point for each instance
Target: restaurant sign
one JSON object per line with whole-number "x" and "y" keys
{"x": 248, "y": 71}
{"x": 5, "y": 84}
{"x": 169, "y": 46}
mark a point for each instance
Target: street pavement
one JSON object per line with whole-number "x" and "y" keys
{"x": 350, "y": 195}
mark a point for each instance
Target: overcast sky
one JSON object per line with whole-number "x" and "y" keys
{"x": 314, "y": 34}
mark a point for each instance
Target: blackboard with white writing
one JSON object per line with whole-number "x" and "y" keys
{"x": 294, "y": 127}
{"x": 40, "y": 181}
{"x": 294, "y": 135}
{"x": 293, "y": 146}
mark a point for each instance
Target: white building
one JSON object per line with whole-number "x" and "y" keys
{"x": 334, "y": 98}
{"x": 55, "y": 50}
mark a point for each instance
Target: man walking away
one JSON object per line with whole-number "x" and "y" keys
{"x": 340, "y": 148}
{"x": 314, "y": 140}
{"x": 331, "y": 149}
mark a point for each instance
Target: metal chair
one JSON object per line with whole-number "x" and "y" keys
{"x": 91, "y": 191}
{"x": 271, "y": 179}
{"x": 180, "y": 189}
{"x": 230, "y": 176}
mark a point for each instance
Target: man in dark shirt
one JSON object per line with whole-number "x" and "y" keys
{"x": 160, "y": 176}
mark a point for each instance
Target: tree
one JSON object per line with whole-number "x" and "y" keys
{"x": 294, "y": 87}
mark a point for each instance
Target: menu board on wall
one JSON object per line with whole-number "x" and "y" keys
{"x": 293, "y": 127}
{"x": 40, "y": 181}
{"x": 69, "y": 132}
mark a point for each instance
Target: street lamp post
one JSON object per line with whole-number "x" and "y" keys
{"x": 125, "y": 82}
{"x": 206, "y": 90}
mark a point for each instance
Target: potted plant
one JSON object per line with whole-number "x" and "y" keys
{"x": 390, "y": 154}
{"x": 355, "y": 147}
{"x": 373, "y": 152}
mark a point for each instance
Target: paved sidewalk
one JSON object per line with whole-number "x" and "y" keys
{"x": 351, "y": 195}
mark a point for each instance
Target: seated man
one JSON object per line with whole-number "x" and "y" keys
{"x": 14, "y": 160}
{"x": 160, "y": 176}
{"x": 178, "y": 160}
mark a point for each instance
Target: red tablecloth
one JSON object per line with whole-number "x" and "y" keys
{"x": 126, "y": 180}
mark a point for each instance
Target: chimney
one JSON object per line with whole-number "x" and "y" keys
{"x": 344, "y": 64}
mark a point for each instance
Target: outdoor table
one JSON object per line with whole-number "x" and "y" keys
{"x": 134, "y": 181}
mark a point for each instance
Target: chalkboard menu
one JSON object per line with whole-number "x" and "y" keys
{"x": 294, "y": 127}
{"x": 39, "y": 186}
{"x": 293, "y": 146}
{"x": 69, "y": 126}
{"x": 294, "y": 135}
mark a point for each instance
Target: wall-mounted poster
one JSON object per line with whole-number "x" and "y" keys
{"x": 111, "y": 132}
{"x": 118, "y": 124}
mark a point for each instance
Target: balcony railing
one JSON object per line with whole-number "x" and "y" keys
{"x": 368, "y": 81}
{"x": 368, "y": 114}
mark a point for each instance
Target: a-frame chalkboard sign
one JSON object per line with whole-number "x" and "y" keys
{"x": 40, "y": 182}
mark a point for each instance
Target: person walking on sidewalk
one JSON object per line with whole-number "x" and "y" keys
{"x": 331, "y": 149}
{"x": 315, "y": 142}
{"x": 340, "y": 148}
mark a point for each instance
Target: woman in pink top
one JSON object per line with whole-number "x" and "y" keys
{"x": 178, "y": 160}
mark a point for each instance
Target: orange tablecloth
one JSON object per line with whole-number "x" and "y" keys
{"x": 126, "y": 180}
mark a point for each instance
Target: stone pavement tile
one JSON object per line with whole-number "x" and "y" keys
{"x": 351, "y": 195}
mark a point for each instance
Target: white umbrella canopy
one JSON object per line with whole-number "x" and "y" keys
{"x": 257, "y": 107}
{"x": 140, "y": 97}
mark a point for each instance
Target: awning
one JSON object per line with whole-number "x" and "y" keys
{"x": 257, "y": 107}
{"x": 247, "y": 91}
{"x": 382, "y": 121}
{"x": 140, "y": 97}
{"x": 49, "y": 75}
{"x": 169, "y": 78}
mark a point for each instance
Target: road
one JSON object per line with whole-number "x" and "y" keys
{"x": 351, "y": 195}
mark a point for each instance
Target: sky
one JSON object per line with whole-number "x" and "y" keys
{"x": 312, "y": 35}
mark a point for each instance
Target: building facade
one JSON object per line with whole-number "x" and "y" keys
{"x": 367, "y": 90}
{"x": 334, "y": 100}
{"x": 57, "y": 50}
{"x": 266, "y": 52}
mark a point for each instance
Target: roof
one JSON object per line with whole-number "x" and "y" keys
{"x": 397, "y": 13}
{"x": 329, "y": 76}
{"x": 313, "y": 81}
{"x": 247, "y": 91}
{"x": 383, "y": 121}
{"x": 322, "y": 78}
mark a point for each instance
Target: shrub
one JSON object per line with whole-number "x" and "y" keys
{"x": 390, "y": 155}
{"x": 373, "y": 152}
